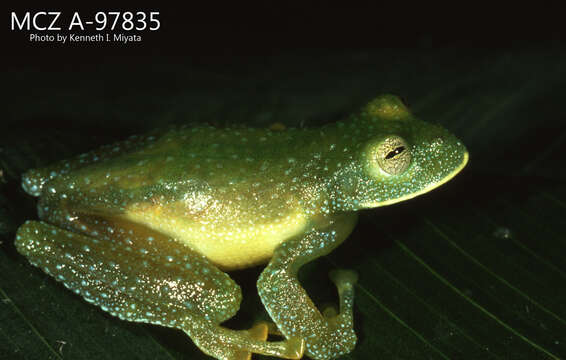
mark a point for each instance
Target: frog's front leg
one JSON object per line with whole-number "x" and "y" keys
{"x": 140, "y": 275}
{"x": 288, "y": 303}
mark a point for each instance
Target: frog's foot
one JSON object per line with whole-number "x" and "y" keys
{"x": 273, "y": 329}
{"x": 329, "y": 334}
{"x": 259, "y": 331}
{"x": 262, "y": 329}
{"x": 226, "y": 344}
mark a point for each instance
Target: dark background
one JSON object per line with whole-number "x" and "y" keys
{"x": 472, "y": 270}
{"x": 269, "y": 29}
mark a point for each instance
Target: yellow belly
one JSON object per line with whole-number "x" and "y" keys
{"x": 229, "y": 245}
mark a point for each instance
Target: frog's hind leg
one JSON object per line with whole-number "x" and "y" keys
{"x": 140, "y": 275}
{"x": 327, "y": 335}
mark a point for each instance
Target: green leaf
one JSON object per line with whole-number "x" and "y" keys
{"x": 475, "y": 269}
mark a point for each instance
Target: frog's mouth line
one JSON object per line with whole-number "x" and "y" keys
{"x": 426, "y": 189}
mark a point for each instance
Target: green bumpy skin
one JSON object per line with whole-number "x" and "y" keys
{"x": 145, "y": 228}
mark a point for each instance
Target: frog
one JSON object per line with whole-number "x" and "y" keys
{"x": 149, "y": 228}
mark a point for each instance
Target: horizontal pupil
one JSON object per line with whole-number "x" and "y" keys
{"x": 395, "y": 152}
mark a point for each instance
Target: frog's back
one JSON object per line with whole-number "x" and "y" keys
{"x": 202, "y": 152}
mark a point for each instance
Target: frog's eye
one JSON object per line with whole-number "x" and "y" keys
{"x": 393, "y": 155}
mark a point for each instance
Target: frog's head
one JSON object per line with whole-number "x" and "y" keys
{"x": 399, "y": 158}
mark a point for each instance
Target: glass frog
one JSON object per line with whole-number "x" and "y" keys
{"x": 146, "y": 228}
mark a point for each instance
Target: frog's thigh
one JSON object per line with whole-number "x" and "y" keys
{"x": 152, "y": 279}
{"x": 290, "y": 306}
